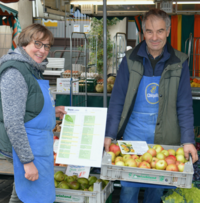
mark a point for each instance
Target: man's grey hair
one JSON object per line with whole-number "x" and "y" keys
{"x": 156, "y": 13}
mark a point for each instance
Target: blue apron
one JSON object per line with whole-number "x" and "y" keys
{"x": 40, "y": 136}
{"x": 141, "y": 124}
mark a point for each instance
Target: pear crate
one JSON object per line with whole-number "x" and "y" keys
{"x": 149, "y": 176}
{"x": 96, "y": 196}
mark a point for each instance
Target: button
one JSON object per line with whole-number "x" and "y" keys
{"x": 160, "y": 95}
{"x": 158, "y": 123}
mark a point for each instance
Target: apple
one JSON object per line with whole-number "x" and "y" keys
{"x": 140, "y": 158}
{"x": 171, "y": 152}
{"x": 118, "y": 158}
{"x": 180, "y": 158}
{"x": 153, "y": 162}
{"x": 152, "y": 152}
{"x": 158, "y": 148}
{"x": 134, "y": 156}
{"x": 165, "y": 152}
{"x": 138, "y": 161}
{"x": 181, "y": 167}
{"x": 149, "y": 147}
{"x": 113, "y": 163}
{"x": 180, "y": 151}
{"x": 185, "y": 160}
{"x": 172, "y": 156}
{"x": 170, "y": 160}
{"x": 112, "y": 156}
{"x": 160, "y": 156}
{"x": 126, "y": 157}
{"x": 178, "y": 162}
{"x": 161, "y": 165}
{"x": 130, "y": 163}
{"x": 119, "y": 163}
{"x": 147, "y": 157}
{"x": 172, "y": 167}
{"x": 144, "y": 164}
{"x": 114, "y": 148}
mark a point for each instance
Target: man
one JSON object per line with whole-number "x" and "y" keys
{"x": 151, "y": 100}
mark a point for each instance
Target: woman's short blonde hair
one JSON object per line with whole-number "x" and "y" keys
{"x": 33, "y": 32}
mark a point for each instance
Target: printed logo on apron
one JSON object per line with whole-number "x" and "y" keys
{"x": 151, "y": 93}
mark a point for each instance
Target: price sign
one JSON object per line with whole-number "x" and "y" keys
{"x": 80, "y": 171}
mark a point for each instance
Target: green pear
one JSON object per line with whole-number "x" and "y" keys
{"x": 55, "y": 183}
{"x": 106, "y": 182}
{"x": 75, "y": 177}
{"x": 69, "y": 179}
{"x": 74, "y": 185}
{"x": 65, "y": 177}
{"x": 100, "y": 181}
{"x": 90, "y": 188}
{"x": 84, "y": 186}
{"x": 92, "y": 180}
{"x": 59, "y": 176}
{"x": 83, "y": 180}
{"x": 63, "y": 185}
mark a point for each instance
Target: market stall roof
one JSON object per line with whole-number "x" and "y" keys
{"x": 6, "y": 11}
{"x": 9, "y": 1}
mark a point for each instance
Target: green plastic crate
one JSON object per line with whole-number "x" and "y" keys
{"x": 91, "y": 84}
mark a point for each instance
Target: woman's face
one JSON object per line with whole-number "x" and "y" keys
{"x": 37, "y": 54}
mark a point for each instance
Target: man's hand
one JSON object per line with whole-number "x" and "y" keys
{"x": 31, "y": 172}
{"x": 60, "y": 111}
{"x": 190, "y": 149}
{"x": 107, "y": 143}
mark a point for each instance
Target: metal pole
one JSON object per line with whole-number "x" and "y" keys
{"x": 104, "y": 53}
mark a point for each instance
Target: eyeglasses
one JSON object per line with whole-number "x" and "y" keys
{"x": 38, "y": 45}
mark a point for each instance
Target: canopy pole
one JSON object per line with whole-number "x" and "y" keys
{"x": 104, "y": 53}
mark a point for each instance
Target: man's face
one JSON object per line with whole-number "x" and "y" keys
{"x": 155, "y": 35}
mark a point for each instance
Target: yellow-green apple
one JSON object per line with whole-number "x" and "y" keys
{"x": 152, "y": 152}
{"x": 181, "y": 167}
{"x": 165, "y": 152}
{"x": 172, "y": 156}
{"x": 127, "y": 156}
{"x": 172, "y": 167}
{"x": 178, "y": 162}
{"x": 140, "y": 158}
{"x": 119, "y": 163}
{"x": 118, "y": 158}
{"x": 144, "y": 164}
{"x": 130, "y": 163}
{"x": 147, "y": 157}
{"x": 170, "y": 160}
{"x": 158, "y": 148}
{"x": 161, "y": 165}
{"x": 153, "y": 162}
{"x": 114, "y": 148}
{"x": 171, "y": 152}
{"x": 134, "y": 156}
{"x": 180, "y": 158}
{"x": 160, "y": 156}
{"x": 138, "y": 161}
{"x": 180, "y": 151}
{"x": 112, "y": 156}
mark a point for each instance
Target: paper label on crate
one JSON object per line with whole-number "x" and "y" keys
{"x": 82, "y": 136}
{"x": 133, "y": 147}
{"x": 69, "y": 198}
{"x": 80, "y": 171}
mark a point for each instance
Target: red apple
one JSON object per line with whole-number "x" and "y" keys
{"x": 165, "y": 152}
{"x": 160, "y": 156}
{"x": 172, "y": 167}
{"x": 171, "y": 152}
{"x": 158, "y": 148}
{"x": 113, "y": 163}
{"x": 138, "y": 161}
{"x": 112, "y": 156}
{"x": 181, "y": 167}
{"x": 170, "y": 160}
{"x": 134, "y": 156}
{"x": 180, "y": 151}
{"x": 178, "y": 162}
{"x": 147, "y": 157}
{"x": 130, "y": 163}
{"x": 114, "y": 148}
{"x": 152, "y": 152}
{"x": 144, "y": 164}
{"x": 153, "y": 162}
{"x": 161, "y": 165}
{"x": 172, "y": 156}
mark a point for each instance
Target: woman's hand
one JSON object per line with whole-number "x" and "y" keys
{"x": 31, "y": 172}
{"x": 60, "y": 111}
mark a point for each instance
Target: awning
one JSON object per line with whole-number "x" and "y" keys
{"x": 6, "y": 11}
{"x": 9, "y": 1}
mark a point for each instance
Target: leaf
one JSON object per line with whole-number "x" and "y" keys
{"x": 68, "y": 118}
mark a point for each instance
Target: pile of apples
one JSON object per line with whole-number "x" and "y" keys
{"x": 155, "y": 158}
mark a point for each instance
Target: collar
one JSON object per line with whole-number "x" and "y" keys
{"x": 157, "y": 57}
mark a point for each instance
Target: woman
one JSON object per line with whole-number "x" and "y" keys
{"x": 27, "y": 116}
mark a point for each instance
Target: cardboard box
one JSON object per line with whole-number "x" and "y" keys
{"x": 63, "y": 85}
